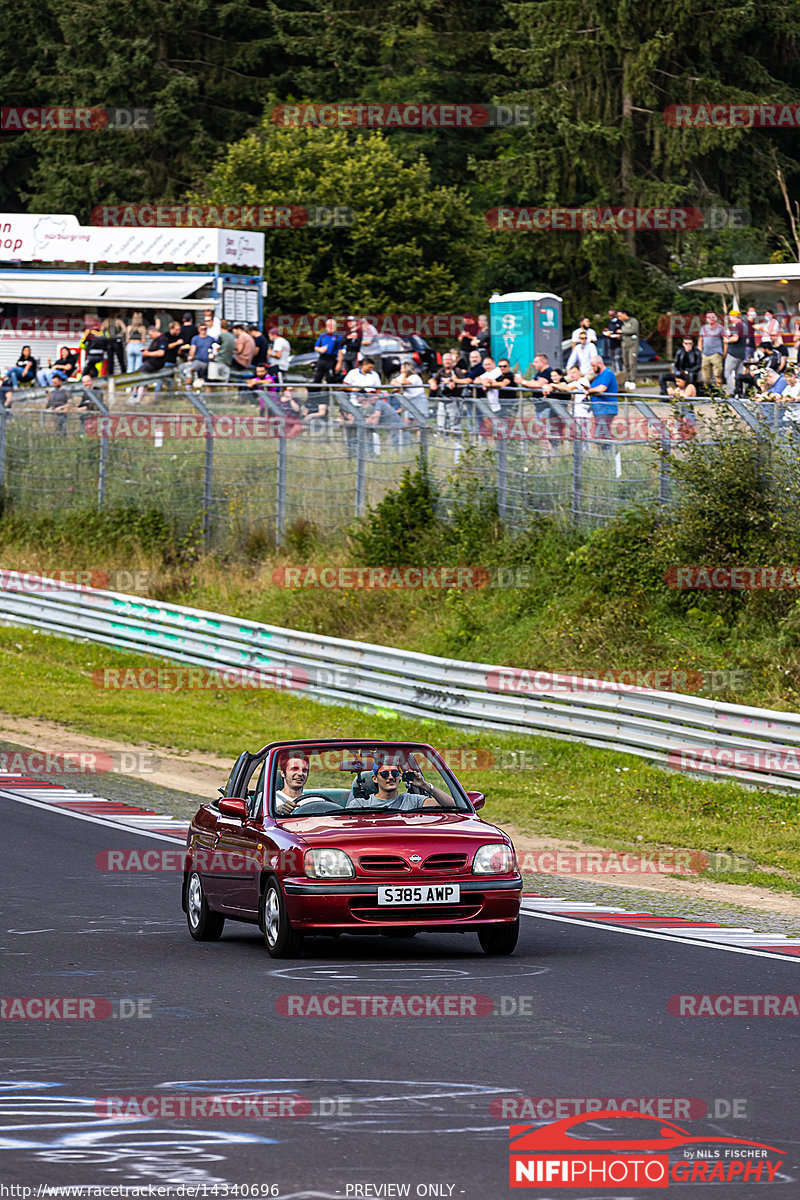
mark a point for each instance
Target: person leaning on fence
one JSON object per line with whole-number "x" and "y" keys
{"x": 603, "y": 393}
{"x": 446, "y": 387}
{"x": 260, "y": 385}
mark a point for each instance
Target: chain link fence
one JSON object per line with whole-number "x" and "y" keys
{"x": 230, "y": 467}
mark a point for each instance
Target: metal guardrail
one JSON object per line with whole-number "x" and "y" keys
{"x": 762, "y": 745}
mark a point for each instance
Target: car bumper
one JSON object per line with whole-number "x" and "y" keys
{"x": 354, "y": 905}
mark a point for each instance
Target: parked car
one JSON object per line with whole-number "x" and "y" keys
{"x": 348, "y": 836}
{"x": 387, "y": 351}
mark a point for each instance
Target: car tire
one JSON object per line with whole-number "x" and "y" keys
{"x": 205, "y": 925}
{"x": 500, "y": 938}
{"x": 281, "y": 940}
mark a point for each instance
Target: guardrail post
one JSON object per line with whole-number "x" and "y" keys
{"x": 502, "y": 476}
{"x": 577, "y": 472}
{"x": 280, "y": 496}
{"x": 208, "y": 480}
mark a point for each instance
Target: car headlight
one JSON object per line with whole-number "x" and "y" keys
{"x": 495, "y": 859}
{"x": 328, "y": 864}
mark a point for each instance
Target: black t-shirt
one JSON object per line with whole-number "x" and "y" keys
{"x": 188, "y": 332}
{"x": 172, "y": 351}
{"x": 509, "y": 392}
{"x": 57, "y": 398}
{"x": 262, "y": 346}
{"x": 30, "y": 363}
{"x": 156, "y": 364}
{"x": 737, "y": 349}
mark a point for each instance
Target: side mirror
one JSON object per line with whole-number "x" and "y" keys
{"x": 477, "y": 798}
{"x": 232, "y": 806}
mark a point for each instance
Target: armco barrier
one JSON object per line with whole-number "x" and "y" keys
{"x": 761, "y": 746}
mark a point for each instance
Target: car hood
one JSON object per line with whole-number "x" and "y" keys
{"x": 434, "y": 832}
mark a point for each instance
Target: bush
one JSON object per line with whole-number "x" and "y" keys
{"x": 391, "y": 533}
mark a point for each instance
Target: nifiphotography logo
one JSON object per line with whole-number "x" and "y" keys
{"x": 648, "y": 1153}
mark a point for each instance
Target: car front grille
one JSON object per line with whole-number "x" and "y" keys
{"x": 383, "y": 862}
{"x": 445, "y": 862}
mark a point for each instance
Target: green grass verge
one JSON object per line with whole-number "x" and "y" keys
{"x": 563, "y": 790}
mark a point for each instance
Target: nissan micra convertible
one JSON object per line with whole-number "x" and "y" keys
{"x": 342, "y": 836}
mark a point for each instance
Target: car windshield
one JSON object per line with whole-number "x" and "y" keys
{"x": 361, "y": 777}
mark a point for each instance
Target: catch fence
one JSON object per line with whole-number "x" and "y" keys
{"x": 229, "y": 469}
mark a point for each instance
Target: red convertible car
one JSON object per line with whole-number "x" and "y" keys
{"x": 330, "y": 837}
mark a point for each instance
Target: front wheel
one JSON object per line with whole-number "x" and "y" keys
{"x": 499, "y": 939}
{"x": 280, "y": 939}
{"x": 204, "y": 924}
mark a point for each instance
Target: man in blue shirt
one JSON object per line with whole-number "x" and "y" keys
{"x": 603, "y": 392}
{"x": 199, "y": 352}
{"x": 330, "y": 350}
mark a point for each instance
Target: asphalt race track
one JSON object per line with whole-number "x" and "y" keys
{"x": 414, "y": 1102}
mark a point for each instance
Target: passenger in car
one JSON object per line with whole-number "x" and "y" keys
{"x": 386, "y": 777}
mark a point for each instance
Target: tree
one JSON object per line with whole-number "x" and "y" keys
{"x": 412, "y": 246}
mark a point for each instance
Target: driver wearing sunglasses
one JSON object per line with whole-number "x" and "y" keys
{"x": 419, "y": 794}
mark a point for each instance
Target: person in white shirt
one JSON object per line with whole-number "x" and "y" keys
{"x": 363, "y": 378}
{"x": 582, "y": 354}
{"x": 211, "y": 320}
{"x": 581, "y": 408}
{"x": 279, "y": 352}
{"x": 411, "y": 387}
{"x": 584, "y": 325}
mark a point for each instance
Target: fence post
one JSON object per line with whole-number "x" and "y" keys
{"x": 3, "y": 419}
{"x": 102, "y": 471}
{"x": 361, "y": 467}
{"x": 577, "y": 472}
{"x": 208, "y": 480}
{"x": 663, "y": 470}
{"x": 280, "y": 496}
{"x": 502, "y": 477}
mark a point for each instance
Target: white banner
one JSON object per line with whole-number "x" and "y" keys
{"x": 45, "y": 237}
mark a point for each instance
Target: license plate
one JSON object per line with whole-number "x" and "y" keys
{"x": 430, "y": 893}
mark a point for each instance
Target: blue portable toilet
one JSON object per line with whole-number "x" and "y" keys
{"x": 523, "y": 324}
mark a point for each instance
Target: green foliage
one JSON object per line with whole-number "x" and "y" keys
{"x": 80, "y": 531}
{"x": 392, "y": 531}
{"x": 411, "y": 244}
